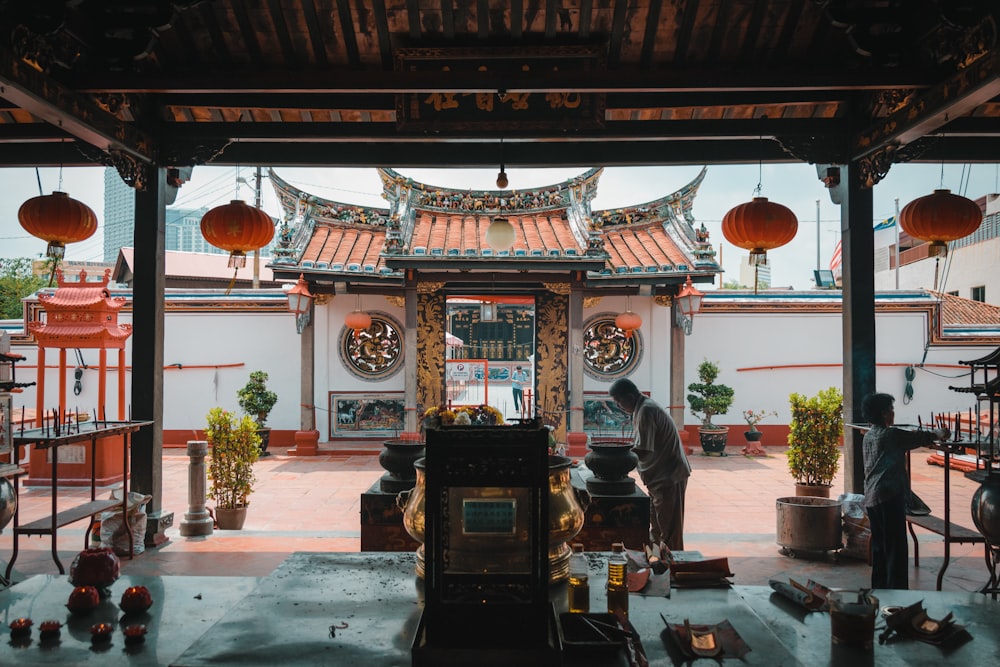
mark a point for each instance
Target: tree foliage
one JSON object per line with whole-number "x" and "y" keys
{"x": 235, "y": 448}
{"x": 709, "y": 399}
{"x": 814, "y": 436}
{"x": 16, "y": 282}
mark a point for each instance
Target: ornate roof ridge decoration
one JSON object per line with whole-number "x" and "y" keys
{"x": 678, "y": 204}
{"x": 428, "y": 197}
{"x": 77, "y": 294}
{"x": 80, "y": 314}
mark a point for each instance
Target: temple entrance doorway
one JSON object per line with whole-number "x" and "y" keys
{"x": 490, "y": 343}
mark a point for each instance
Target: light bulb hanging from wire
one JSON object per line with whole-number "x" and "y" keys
{"x": 502, "y": 181}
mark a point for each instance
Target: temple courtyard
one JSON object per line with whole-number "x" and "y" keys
{"x": 313, "y": 505}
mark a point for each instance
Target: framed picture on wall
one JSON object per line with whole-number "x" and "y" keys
{"x": 602, "y": 416}
{"x": 364, "y": 415}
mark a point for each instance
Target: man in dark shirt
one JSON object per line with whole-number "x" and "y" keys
{"x": 663, "y": 466}
{"x": 885, "y": 448}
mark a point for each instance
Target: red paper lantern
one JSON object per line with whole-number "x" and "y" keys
{"x": 358, "y": 320}
{"x": 758, "y": 226}
{"x": 628, "y": 322}
{"x": 939, "y": 218}
{"x": 238, "y": 228}
{"x": 58, "y": 219}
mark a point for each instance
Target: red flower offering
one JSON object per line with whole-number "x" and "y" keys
{"x": 20, "y": 627}
{"x": 135, "y": 600}
{"x": 49, "y": 629}
{"x": 101, "y": 632}
{"x": 134, "y": 633}
{"x": 83, "y": 598}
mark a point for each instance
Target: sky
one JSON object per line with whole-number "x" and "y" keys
{"x": 725, "y": 186}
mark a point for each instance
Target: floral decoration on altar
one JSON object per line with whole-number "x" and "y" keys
{"x": 466, "y": 415}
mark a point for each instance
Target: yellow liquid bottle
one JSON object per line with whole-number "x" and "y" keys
{"x": 579, "y": 582}
{"x": 617, "y": 586}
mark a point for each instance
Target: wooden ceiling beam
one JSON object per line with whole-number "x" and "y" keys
{"x": 615, "y": 130}
{"x": 928, "y": 113}
{"x": 75, "y": 114}
{"x": 679, "y": 80}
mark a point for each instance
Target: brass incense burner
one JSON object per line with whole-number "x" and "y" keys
{"x": 497, "y": 553}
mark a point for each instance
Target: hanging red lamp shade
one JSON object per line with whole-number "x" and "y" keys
{"x": 358, "y": 320}
{"x": 58, "y": 219}
{"x": 758, "y": 226}
{"x": 628, "y": 321}
{"x": 238, "y": 228}
{"x": 939, "y": 218}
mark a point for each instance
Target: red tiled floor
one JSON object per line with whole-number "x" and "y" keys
{"x": 313, "y": 504}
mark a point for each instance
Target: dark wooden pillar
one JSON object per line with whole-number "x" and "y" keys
{"x": 858, "y": 238}
{"x": 147, "y": 349}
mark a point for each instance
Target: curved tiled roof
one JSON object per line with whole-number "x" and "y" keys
{"x": 429, "y": 226}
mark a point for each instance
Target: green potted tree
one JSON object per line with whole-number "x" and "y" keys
{"x": 708, "y": 399}
{"x": 235, "y": 447}
{"x": 814, "y": 435}
{"x": 257, "y": 401}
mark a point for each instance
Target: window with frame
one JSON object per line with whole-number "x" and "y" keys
{"x": 978, "y": 293}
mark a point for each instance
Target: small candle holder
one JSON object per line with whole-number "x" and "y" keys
{"x": 135, "y": 633}
{"x": 20, "y": 627}
{"x": 135, "y": 600}
{"x": 101, "y": 632}
{"x": 49, "y": 629}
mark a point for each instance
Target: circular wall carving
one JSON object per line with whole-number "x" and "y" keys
{"x": 608, "y": 353}
{"x": 376, "y": 353}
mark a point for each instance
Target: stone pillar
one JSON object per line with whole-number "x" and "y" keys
{"x": 307, "y": 437}
{"x": 197, "y": 521}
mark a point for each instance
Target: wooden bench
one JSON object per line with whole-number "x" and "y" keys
{"x": 951, "y": 532}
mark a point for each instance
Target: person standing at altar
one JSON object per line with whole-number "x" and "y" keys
{"x": 886, "y": 486}
{"x": 663, "y": 466}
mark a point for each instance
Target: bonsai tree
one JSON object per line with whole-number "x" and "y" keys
{"x": 814, "y": 436}
{"x": 256, "y": 399}
{"x": 707, "y": 398}
{"x": 235, "y": 448}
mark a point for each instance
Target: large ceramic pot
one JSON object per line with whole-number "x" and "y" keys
{"x": 230, "y": 519}
{"x": 397, "y": 457}
{"x": 986, "y": 509}
{"x": 566, "y": 513}
{"x": 713, "y": 440}
{"x": 611, "y": 460}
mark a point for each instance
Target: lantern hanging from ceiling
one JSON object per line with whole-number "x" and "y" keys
{"x": 238, "y": 228}
{"x": 500, "y": 234}
{"x": 358, "y": 319}
{"x": 758, "y": 226}
{"x": 939, "y": 218}
{"x": 628, "y": 321}
{"x": 58, "y": 219}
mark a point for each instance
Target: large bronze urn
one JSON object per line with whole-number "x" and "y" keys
{"x": 986, "y": 509}
{"x": 566, "y": 513}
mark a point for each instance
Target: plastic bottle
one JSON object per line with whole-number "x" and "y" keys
{"x": 579, "y": 585}
{"x": 617, "y": 585}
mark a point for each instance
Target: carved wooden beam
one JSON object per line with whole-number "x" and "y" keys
{"x": 44, "y": 98}
{"x": 964, "y": 91}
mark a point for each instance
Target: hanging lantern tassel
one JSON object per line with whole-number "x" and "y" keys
{"x": 939, "y": 218}
{"x": 238, "y": 228}
{"x": 759, "y": 226}
{"x": 58, "y": 219}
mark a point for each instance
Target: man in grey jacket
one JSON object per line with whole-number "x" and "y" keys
{"x": 663, "y": 466}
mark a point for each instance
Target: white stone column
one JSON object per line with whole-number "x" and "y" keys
{"x": 197, "y": 520}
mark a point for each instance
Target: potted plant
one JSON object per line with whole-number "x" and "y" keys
{"x": 815, "y": 431}
{"x": 753, "y": 436}
{"x": 257, "y": 401}
{"x": 235, "y": 447}
{"x": 707, "y": 400}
